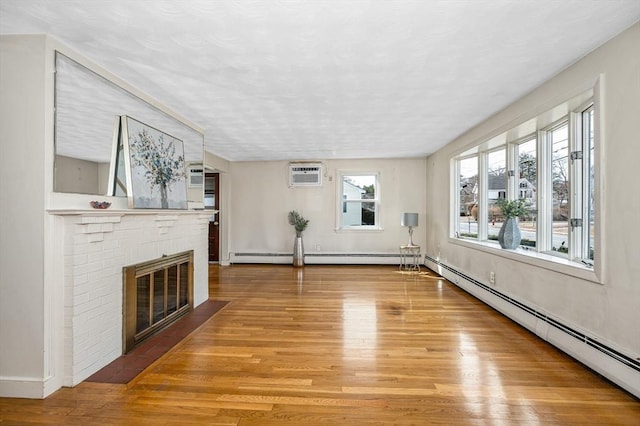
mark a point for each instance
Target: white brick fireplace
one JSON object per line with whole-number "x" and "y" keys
{"x": 90, "y": 250}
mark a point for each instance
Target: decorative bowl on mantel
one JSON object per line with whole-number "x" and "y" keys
{"x": 100, "y": 204}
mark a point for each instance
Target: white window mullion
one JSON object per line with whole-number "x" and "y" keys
{"x": 545, "y": 192}
{"x": 483, "y": 191}
{"x": 513, "y": 174}
{"x": 455, "y": 198}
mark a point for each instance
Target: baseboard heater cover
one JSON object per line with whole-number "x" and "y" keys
{"x": 262, "y": 254}
{"x": 573, "y": 333}
{"x": 318, "y": 258}
{"x": 321, "y": 254}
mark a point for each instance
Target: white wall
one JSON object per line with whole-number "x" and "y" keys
{"x": 23, "y": 120}
{"x": 609, "y": 312}
{"x": 261, "y": 200}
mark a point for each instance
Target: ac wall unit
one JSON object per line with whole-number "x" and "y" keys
{"x": 305, "y": 174}
{"x": 195, "y": 175}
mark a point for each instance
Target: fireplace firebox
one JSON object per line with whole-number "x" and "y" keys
{"x": 156, "y": 294}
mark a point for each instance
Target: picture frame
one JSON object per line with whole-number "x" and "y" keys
{"x": 148, "y": 166}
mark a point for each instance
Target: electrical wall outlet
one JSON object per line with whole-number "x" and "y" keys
{"x": 492, "y": 277}
{"x": 317, "y": 247}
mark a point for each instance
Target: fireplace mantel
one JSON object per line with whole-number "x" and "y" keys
{"x": 96, "y": 222}
{"x": 124, "y": 212}
{"x": 66, "y": 204}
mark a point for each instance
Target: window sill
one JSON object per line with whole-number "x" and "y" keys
{"x": 360, "y": 229}
{"x": 541, "y": 260}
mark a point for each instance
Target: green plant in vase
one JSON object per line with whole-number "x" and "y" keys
{"x": 300, "y": 224}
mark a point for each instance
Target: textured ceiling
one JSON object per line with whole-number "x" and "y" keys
{"x": 325, "y": 79}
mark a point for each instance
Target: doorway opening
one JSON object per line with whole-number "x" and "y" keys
{"x": 212, "y": 202}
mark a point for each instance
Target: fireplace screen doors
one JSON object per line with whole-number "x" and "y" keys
{"x": 156, "y": 293}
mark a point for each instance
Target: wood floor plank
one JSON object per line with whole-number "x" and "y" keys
{"x": 333, "y": 345}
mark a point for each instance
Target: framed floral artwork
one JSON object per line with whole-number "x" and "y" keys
{"x": 148, "y": 166}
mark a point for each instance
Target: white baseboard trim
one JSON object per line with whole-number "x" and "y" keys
{"x": 25, "y": 387}
{"x": 621, "y": 369}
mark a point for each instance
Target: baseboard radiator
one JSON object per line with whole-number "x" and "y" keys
{"x": 315, "y": 258}
{"x": 620, "y": 368}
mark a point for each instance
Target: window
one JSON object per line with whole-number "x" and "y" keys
{"x": 359, "y": 201}
{"x": 553, "y": 170}
{"x": 496, "y": 190}
{"x": 556, "y": 229}
{"x": 467, "y": 225}
{"x": 527, "y": 179}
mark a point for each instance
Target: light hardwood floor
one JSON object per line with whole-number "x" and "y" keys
{"x": 345, "y": 345}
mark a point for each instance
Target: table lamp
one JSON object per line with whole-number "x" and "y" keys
{"x": 410, "y": 220}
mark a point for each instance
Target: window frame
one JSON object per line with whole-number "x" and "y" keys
{"x": 582, "y": 172}
{"x": 545, "y": 172}
{"x": 574, "y": 111}
{"x": 342, "y": 201}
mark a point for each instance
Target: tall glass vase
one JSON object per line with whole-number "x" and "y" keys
{"x": 298, "y": 252}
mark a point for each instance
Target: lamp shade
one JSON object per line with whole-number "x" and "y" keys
{"x": 409, "y": 219}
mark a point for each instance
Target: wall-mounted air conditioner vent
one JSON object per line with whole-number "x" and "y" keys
{"x": 195, "y": 174}
{"x": 305, "y": 174}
